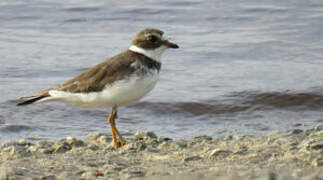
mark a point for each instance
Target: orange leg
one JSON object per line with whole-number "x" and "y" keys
{"x": 115, "y": 132}
{"x": 111, "y": 120}
{"x": 122, "y": 141}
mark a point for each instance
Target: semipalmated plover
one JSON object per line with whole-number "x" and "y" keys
{"x": 121, "y": 80}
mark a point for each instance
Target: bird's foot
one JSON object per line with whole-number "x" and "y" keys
{"x": 118, "y": 144}
{"x": 122, "y": 142}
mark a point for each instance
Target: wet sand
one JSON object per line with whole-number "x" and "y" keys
{"x": 293, "y": 154}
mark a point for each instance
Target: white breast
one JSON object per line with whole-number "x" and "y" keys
{"x": 122, "y": 92}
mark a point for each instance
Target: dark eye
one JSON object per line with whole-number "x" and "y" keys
{"x": 152, "y": 38}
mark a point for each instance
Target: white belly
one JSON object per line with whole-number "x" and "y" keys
{"x": 122, "y": 92}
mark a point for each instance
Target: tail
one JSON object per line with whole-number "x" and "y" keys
{"x": 30, "y": 101}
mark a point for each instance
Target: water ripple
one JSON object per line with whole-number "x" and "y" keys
{"x": 81, "y": 9}
{"x": 240, "y": 101}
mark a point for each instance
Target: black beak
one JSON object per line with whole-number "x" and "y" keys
{"x": 171, "y": 45}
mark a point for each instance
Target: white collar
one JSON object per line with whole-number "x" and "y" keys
{"x": 154, "y": 54}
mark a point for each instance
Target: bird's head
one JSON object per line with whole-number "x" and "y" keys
{"x": 151, "y": 43}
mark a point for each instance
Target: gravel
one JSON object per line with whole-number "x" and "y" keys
{"x": 293, "y": 154}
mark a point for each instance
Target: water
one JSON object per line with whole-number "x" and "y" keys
{"x": 243, "y": 67}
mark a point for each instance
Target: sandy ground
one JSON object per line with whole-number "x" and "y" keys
{"x": 294, "y": 154}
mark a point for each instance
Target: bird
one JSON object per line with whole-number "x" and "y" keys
{"x": 118, "y": 81}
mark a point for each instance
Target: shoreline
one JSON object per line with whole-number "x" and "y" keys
{"x": 294, "y": 154}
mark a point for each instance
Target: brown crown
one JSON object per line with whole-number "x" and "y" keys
{"x": 148, "y": 39}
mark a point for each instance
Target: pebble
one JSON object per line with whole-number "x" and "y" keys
{"x": 219, "y": 152}
{"x": 145, "y": 135}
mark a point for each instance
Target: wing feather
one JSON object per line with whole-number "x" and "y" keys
{"x": 97, "y": 77}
